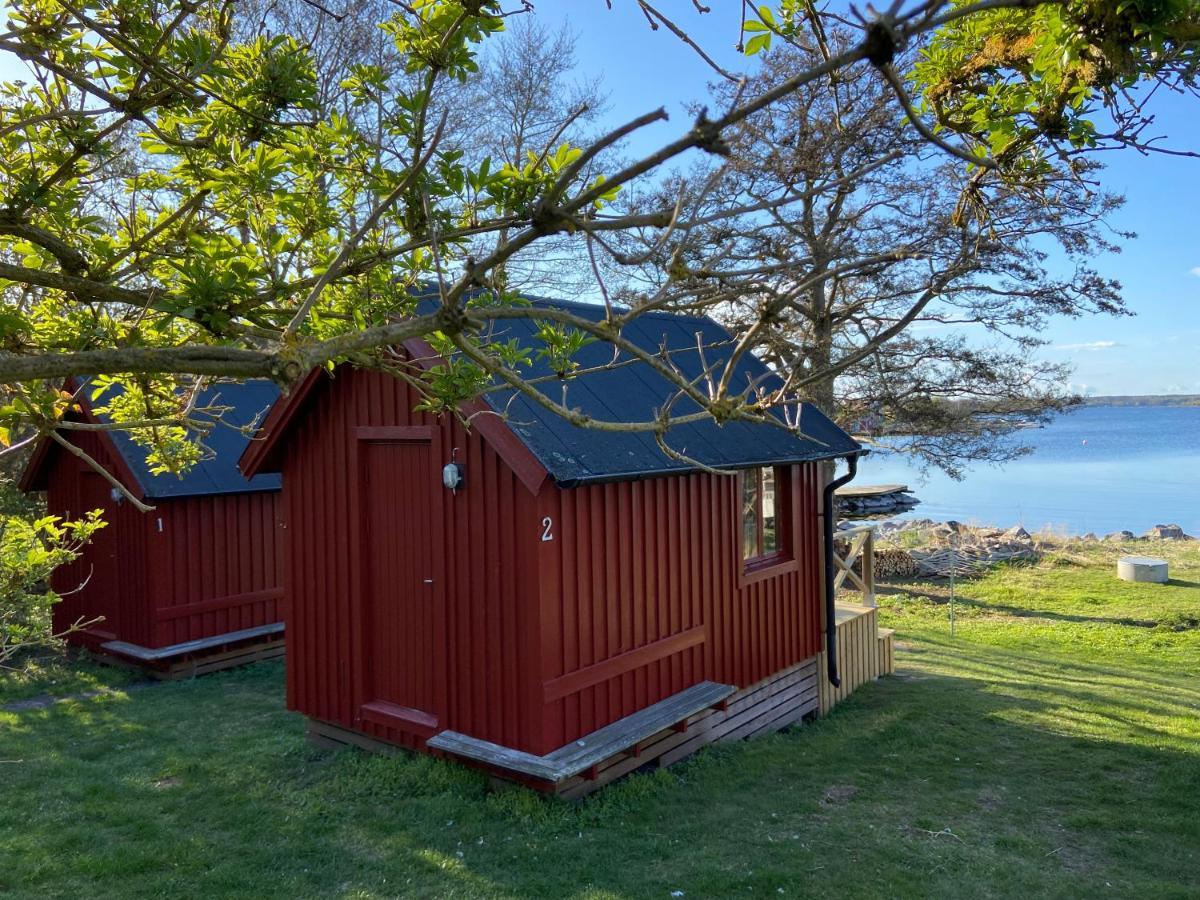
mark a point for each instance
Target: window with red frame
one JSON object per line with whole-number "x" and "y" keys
{"x": 765, "y": 515}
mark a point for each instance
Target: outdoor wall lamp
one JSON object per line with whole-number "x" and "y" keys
{"x": 453, "y": 475}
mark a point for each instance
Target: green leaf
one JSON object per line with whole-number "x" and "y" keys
{"x": 758, "y": 44}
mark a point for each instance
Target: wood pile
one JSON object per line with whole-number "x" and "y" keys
{"x": 953, "y": 549}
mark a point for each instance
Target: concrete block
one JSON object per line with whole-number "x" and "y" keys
{"x": 1142, "y": 568}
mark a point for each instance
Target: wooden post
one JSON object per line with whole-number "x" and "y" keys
{"x": 862, "y": 547}
{"x": 868, "y": 569}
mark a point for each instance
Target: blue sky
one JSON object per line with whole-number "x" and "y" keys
{"x": 1153, "y": 352}
{"x": 1150, "y": 353}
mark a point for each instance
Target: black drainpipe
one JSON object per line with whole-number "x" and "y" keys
{"x": 830, "y": 612}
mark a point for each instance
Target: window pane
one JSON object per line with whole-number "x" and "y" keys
{"x": 750, "y": 513}
{"x": 770, "y": 542}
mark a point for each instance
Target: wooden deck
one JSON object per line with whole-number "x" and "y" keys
{"x": 864, "y": 651}
{"x": 870, "y": 490}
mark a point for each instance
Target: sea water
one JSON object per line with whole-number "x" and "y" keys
{"x": 1096, "y": 469}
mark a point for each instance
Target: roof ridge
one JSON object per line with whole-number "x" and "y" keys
{"x": 673, "y": 315}
{"x": 536, "y": 299}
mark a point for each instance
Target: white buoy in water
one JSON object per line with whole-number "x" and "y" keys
{"x": 1142, "y": 568}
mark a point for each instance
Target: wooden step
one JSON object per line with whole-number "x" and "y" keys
{"x": 887, "y": 651}
{"x": 579, "y": 756}
{"x": 510, "y": 759}
{"x": 773, "y": 703}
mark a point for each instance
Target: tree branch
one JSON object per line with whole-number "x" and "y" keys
{"x": 100, "y": 470}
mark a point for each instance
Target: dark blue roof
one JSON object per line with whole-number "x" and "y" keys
{"x": 633, "y": 391}
{"x": 218, "y": 473}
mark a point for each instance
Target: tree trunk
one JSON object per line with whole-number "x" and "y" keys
{"x": 820, "y": 392}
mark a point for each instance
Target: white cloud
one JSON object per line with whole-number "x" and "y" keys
{"x": 1195, "y": 270}
{"x": 1093, "y": 345}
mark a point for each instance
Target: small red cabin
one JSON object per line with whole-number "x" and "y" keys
{"x": 191, "y": 586}
{"x": 581, "y": 603}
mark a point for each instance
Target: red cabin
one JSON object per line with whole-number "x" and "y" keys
{"x": 581, "y": 603}
{"x": 191, "y": 586}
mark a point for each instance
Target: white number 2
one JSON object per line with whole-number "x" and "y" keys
{"x": 547, "y": 525}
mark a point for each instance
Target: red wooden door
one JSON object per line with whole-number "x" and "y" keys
{"x": 403, "y": 654}
{"x": 100, "y": 566}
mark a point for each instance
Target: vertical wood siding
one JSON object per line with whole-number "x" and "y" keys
{"x": 112, "y": 569}
{"x": 486, "y": 586}
{"x": 643, "y": 596}
{"x": 638, "y": 593}
{"x": 213, "y": 567}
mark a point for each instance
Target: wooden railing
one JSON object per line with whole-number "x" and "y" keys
{"x": 862, "y": 547}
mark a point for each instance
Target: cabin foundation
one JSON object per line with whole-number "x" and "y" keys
{"x": 865, "y": 651}
{"x": 649, "y": 739}
{"x": 683, "y": 723}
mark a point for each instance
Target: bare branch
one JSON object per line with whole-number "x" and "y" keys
{"x": 100, "y": 470}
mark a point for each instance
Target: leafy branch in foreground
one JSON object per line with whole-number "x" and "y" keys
{"x": 185, "y": 194}
{"x": 30, "y": 551}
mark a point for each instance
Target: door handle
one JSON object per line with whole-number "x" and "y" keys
{"x": 429, "y": 581}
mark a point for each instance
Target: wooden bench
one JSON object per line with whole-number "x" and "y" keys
{"x": 583, "y": 755}
{"x": 160, "y": 654}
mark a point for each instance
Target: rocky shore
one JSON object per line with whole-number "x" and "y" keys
{"x": 941, "y": 549}
{"x": 893, "y": 527}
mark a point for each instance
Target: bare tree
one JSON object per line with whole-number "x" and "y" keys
{"x": 859, "y": 292}
{"x": 528, "y": 95}
{"x": 527, "y": 100}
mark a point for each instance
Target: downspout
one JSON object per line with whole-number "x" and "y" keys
{"x": 830, "y": 612}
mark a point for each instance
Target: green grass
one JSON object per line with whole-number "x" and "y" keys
{"x": 1047, "y": 749}
{"x": 47, "y": 675}
{"x": 1070, "y": 602}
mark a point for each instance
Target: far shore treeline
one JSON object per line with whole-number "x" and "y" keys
{"x": 1145, "y": 400}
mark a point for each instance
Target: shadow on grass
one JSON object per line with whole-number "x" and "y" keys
{"x": 1140, "y": 702}
{"x": 42, "y": 676}
{"x": 1024, "y": 775}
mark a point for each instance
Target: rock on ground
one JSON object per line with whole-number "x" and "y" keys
{"x": 1168, "y": 533}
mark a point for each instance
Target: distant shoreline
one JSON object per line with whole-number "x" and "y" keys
{"x": 1144, "y": 400}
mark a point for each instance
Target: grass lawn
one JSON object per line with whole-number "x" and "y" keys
{"x": 1050, "y": 748}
